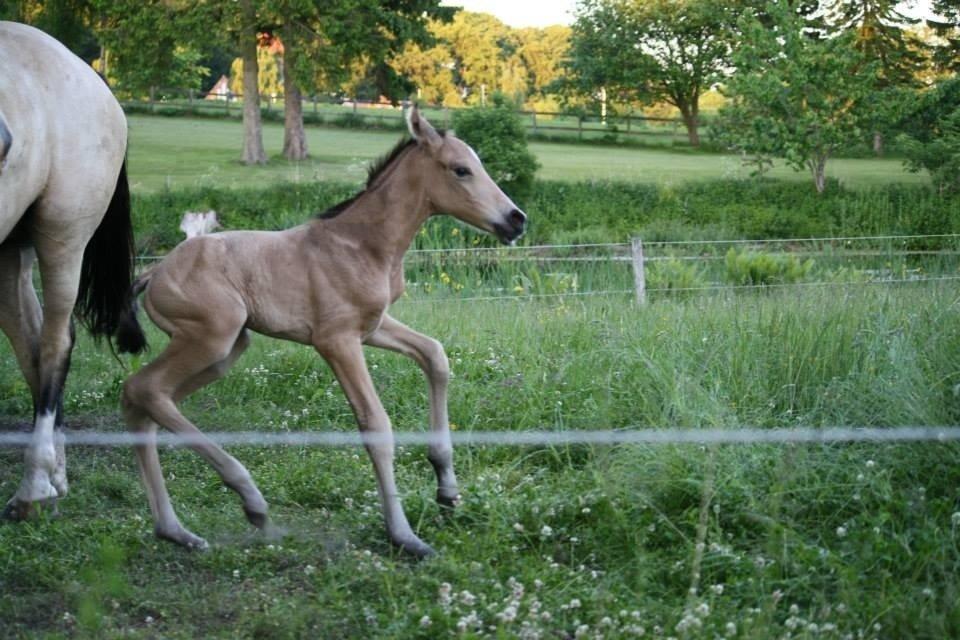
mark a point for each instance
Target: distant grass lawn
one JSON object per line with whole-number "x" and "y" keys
{"x": 184, "y": 152}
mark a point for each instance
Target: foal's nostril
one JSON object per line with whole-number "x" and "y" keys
{"x": 517, "y": 218}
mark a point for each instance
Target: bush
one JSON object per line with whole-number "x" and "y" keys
{"x": 499, "y": 138}
{"x": 752, "y": 268}
{"x": 675, "y": 275}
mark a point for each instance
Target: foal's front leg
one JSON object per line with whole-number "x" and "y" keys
{"x": 429, "y": 354}
{"x": 346, "y": 359}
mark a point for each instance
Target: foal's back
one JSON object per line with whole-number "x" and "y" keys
{"x": 288, "y": 284}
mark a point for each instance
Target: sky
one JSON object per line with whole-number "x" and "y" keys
{"x": 540, "y": 13}
{"x": 522, "y": 13}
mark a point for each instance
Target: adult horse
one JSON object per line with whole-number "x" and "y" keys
{"x": 63, "y": 202}
{"x": 328, "y": 284}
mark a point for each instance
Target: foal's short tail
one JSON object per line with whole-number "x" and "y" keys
{"x": 130, "y": 336}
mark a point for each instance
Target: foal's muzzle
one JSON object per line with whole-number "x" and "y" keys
{"x": 512, "y": 226}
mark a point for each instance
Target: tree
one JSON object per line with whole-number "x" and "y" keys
{"x": 322, "y": 40}
{"x": 796, "y": 95}
{"x": 431, "y": 71}
{"x": 69, "y": 21}
{"x": 946, "y": 25}
{"x": 653, "y": 51}
{"x": 880, "y": 35}
{"x": 931, "y": 134}
{"x": 543, "y": 52}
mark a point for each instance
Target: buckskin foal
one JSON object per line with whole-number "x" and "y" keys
{"x": 328, "y": 284}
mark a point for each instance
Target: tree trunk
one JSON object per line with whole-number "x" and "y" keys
{"x": 818, "y": 167}
{"x": 253, "y": 152}
{"x": 691, "y": 120}
{"x": 294, "y": 137}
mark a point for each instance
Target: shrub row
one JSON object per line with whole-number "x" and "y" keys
{"x": 562, "y": 212}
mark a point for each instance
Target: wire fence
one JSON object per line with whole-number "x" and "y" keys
{"x": 506, "y": 438}
{"x": 674, "y": 267}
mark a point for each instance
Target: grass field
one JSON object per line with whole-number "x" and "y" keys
{"x": 182, "y": 152}
{"x": 843, "y": 541}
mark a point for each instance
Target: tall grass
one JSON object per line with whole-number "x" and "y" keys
{"x": 750, "y": 541}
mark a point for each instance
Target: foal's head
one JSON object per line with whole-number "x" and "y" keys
{"x": 461, "y": 187}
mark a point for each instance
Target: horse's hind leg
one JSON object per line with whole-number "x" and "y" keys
{"x": 21, "y": 319}
{"x": 148, "y": 401}
{"x": 429, "y": 354}
{"x": 45, "y": 462}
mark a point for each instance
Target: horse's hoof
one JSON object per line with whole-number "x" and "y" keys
{"x": 448, "y": 499}
{"x": 17, "y": 511}
{"x": 183, "y": 538}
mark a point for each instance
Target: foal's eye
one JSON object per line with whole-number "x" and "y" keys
{"x": 461, "y": 172}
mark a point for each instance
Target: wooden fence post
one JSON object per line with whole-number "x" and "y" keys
{"x": 639, "y": 274}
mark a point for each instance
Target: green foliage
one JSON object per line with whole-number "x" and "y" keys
{"x": 499, "y": 138}
{"x": 794, "y": 95}
{"x": 153, "y": 44}
{"x": 563, "y": 212}
{"x": 940, "y": 156}
{"x": 659, "y": 51}
{"x": 755, "y": 268}
{"x": 674, "y": 274}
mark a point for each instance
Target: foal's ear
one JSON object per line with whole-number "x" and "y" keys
{"x": 422, "y": 131}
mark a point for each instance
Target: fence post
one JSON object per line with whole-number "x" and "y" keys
{"x": 153, "y": 106}
{"x": 534, "y": 121}
{"x": 579, "y": 127}
{"x": 639, "y": 274}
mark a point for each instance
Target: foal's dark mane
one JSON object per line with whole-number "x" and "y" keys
{"x": 374, "y": 171}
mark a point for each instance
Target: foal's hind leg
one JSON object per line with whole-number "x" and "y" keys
{"x": 148, "y": 401}
{"x": 429, "y": 354}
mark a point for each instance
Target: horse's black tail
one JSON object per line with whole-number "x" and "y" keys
{"x": 130, "y": 336}
{"x": 106, "y": 275}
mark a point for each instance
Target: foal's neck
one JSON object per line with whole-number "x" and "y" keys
{"x": 385, "y": 218}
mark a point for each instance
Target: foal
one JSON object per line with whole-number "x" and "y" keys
{"x": 328, "y": 284}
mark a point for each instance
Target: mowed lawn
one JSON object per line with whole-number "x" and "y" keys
{"x": 185, "y": 152}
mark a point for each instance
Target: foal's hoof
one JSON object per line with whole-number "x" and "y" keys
{"x": 415, "y": 547}
{"x": 259, "y": 519}
{"x": 183, "y": 538}
{"x": 449, "y": 499}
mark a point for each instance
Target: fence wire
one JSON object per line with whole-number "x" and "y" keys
{"x": 543, "y": 437}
